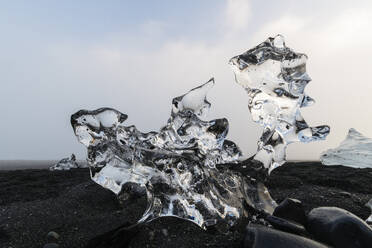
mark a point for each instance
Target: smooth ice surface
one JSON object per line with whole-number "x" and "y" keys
{"x": 355, "y": 151}
{"x": 176, "y": 165}
{"x": 66, "y": 164}
{"x": 275, "y": 78}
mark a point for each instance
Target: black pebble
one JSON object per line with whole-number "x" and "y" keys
{"x": 339, "y": 228}
{"x": 291, "y": 209}
{"x": 51, "y": 245}
{"x": 264, "y": 237}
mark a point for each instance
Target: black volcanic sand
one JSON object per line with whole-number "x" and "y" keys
{"x": 35, "y": 202}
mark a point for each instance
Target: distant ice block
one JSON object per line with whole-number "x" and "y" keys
{"x": 66, "y": 164}
{"x": 275, "y": 78}
{"x": 181, "y": 167}
{"x": 355, "y": 151}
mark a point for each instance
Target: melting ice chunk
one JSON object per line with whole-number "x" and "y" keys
{"x": 66, "y": 164}
{"x": 355, "y": 151}
{"x": 177, "y": 166}
{"x": 275, "y": 77}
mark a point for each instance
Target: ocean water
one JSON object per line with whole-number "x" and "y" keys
{"x": 28, "y": 164}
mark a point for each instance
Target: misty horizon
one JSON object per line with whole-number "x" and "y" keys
{"x": 137, "y": 57}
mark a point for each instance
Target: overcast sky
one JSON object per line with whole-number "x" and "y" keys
{"x": 57, "y": 57}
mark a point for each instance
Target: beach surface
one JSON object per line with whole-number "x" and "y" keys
{"x": 34, "y": 202}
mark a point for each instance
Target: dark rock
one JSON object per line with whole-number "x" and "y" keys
{"x": 339, "y": 228}
{"x": 345, "y": 193}
{"x": 286, "y": 226}
{"x": 53, "y": 235}
{"x": 291, "y": 209}
{"x": 51, "y": 245}
{"x": 164, "y": 231}
{"x": 263, "y": 237}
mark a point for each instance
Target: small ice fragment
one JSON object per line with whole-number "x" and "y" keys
{"x": 66, "y": 164}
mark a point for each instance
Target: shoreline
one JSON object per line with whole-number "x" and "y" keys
{"x": 11, "y": 165}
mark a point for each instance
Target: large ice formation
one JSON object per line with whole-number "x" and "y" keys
{"x": 181, "y": 166}
{"x": 188, "y": 168}
{"x": 275, "y": 77}
{"x": 66, "y": 164}
{"x": 355, "y": 151}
